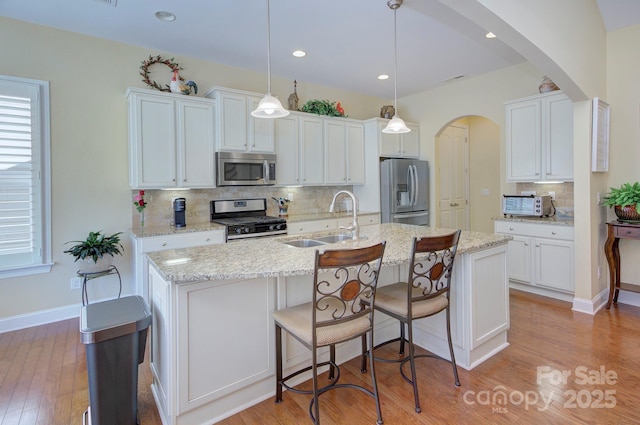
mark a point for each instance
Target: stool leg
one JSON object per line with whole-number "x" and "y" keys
{"x": 374, "y": 382}
{"x": 412, "y": 361}
{"x": 363, "y": 358}
{"x": 332, "y": 358}
{"x": 316, "y": 405}
{"x": 278, "y": 364}
{"x": 453, "y": 357}
{"x": 402, "y": 339}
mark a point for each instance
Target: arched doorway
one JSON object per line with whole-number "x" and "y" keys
{"x": 468, "y": 174}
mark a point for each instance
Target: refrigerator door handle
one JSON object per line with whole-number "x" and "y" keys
{"x": 411, "y": 179}
{"x": 415, "y": 185}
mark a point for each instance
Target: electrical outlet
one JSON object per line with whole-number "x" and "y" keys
{"x": 290, "y": 196}
{"x": 599, "y": 272}
{"x": 598, "y": 198}
{"x": 484, "y": 192}
{"x": 76, "y": 282}
{"x": 553, "y": 196}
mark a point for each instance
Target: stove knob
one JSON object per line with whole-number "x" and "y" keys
{"x": 273, "y": 227}
{"x": 279, "y": 226}
{"x": 245, "y": 229}
{"x": 238, "y": 230}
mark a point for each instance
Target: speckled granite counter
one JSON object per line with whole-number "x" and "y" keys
{"x": 295, "y": 218}
{"x": 559, "y": 220}
{"x": 146, "y": 231}
{"x": 263, "y": 257}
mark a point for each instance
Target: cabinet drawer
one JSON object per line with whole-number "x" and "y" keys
{"x": 161, "y": 243}
{"x": 627, "y": 232}
{"x": 551, "y": 231}
{"x": 368, "y": 220}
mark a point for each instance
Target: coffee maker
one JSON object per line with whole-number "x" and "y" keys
{"x": 179, "y": 211}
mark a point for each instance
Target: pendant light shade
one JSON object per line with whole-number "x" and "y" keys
{"x": 396, "y": 125}
{"x": 269, "y": 106}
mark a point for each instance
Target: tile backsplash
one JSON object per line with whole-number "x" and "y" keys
{"x": 564, "y": 194}
{"x": 159, "y": 211}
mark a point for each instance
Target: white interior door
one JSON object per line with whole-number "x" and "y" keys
{"x": 453, "y": 171}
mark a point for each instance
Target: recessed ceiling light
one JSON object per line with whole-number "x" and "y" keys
{"x": 299, "y": 53}
{"x": 165, "y": 16}
{"x": 490, "y": 35}
{"x": 383, "y": 77}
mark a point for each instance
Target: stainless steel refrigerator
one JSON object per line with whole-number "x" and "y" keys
{"x": 404, "y": 191}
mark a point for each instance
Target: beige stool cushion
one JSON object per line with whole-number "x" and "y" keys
{"x": 393, "y": 298}
{"x": 297, "y": 321}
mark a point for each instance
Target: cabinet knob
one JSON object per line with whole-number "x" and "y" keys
{"x": 537, "y": 174}
{"x": 207, "y": 240}
{"x": 164, "y": 244}
{"x": 510, "y": 228}
{"x": 553, "y": 233}
{"x": 538, "y": 245}
{"x": 526, "y": 244}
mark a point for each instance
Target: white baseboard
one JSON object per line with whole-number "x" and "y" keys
{"x": 42, "y": 317}
{"x": 600, "y": 301}
{"x": 37, "y": 318}
{"x": 628, "y": 297}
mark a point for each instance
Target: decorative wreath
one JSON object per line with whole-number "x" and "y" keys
{"x": 144, "y": 71}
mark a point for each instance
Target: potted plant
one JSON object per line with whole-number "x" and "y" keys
{"x": 625, "y": 201}
{"x": 96, "y": 253}
{"x": 323, "y": 107}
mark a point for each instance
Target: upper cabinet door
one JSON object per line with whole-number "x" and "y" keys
{"x": 355, "y": 153}
{"x": 524, "y": 142}
{"x": 152, "y": 141}
{"x": 261, "y": 133}
{"x": 558, "y": 137}
{"x": 232, "y": 121}
{"x": 197, "y": 144}
{"x": 287, "y": 151}
{"x": 335, "y": 141}
{"x": 311, "y": 150}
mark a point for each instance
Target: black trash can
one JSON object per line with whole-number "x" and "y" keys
{"x": 115, "y": 335}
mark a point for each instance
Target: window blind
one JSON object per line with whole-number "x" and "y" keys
{"x": 16, "y": 176}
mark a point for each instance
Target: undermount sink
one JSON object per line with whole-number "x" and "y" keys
{"x": 320, "y": 240}
{"x": 334, "y": 238}
{"x": 304, "y": 243}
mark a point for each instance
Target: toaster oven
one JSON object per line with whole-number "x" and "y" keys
{"x": 527, "y": 205}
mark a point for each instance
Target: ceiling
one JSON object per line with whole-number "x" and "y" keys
{"x": 349, "y": 42}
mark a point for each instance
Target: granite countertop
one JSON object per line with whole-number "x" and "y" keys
{"x": 148, "y": 231}
{"x": 558, "y": 220}
{"x": 294, "y": 218}
{"x": 269, "y": 257}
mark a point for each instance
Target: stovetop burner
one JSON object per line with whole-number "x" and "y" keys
{"x": 246, "y": 218}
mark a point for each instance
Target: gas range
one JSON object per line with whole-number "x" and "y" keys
{"x": 246, "y": 218}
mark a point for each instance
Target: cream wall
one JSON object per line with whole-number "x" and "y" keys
{"x": 88, "y": 80}
{"x": 482, "y": 97}
{"x": 623, "y": 94}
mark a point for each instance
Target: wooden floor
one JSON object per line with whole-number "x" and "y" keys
{"x": 43, "y": 377}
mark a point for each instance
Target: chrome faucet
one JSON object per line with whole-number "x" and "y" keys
{"x": 355, "y": 231}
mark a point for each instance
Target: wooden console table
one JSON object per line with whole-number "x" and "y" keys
{"x": 616, "y": 231}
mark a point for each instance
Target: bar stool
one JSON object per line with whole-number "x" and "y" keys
{"x": 342, "y": 281}
{"x": 425, "y": 294}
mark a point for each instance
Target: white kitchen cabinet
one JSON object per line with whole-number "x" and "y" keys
{"x": 311, "y": 150}
{"x": 405, "y": 145}
{"x": 287, "y": 151}
{"x": 539, "y": 134}
{"x": 540, "y": 255}
{"x": 171, "y": 140}
{"x": 237, "y": 130}
{"x": 145, "y": 244}
{"x": 344, "y": 151}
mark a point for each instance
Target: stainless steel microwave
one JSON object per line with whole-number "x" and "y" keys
{"x": 245, "y": 169}
{"x": 530, "y": 205}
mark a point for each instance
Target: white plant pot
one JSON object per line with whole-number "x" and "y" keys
{"x": 89, "y": 266}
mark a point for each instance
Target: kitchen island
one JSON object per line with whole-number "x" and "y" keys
{"x": 212, "y": 340}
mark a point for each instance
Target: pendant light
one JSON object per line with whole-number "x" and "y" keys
{"x": 396, "y": 125}
{"x": 269, "y": 106}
